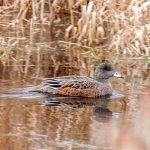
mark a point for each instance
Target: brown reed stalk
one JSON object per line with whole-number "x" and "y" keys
{"x": 70, "y": 2}
{"x": 42, "y": 11}
{"x": 86, "y": 16}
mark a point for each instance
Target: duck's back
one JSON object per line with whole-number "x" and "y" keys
{"x": 75, "y": 86}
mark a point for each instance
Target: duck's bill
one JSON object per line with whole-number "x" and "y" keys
{"x": 117, "y": 75}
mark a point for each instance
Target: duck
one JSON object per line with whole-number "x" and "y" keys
{"x": 81, "y": 86}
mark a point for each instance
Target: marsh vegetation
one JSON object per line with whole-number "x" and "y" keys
{"x": 95, "y": 26}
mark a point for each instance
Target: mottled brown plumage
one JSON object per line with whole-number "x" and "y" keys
{"x": 81, "y": 85}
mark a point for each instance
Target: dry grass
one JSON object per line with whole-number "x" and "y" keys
{"x": 107, "y": 25}
{"x": 121, "y": 28}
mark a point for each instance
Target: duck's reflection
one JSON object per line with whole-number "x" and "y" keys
{"x": 102, "y": 114}
{"x": 103, "y": 108}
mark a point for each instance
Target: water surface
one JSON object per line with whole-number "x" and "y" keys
{"x": 36, "y": 121}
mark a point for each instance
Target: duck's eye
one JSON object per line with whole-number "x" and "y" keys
{"x": 107, "y": 67}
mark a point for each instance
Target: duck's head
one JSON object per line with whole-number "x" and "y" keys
{"x": 104, "y": 71}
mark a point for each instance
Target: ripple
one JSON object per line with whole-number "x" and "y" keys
{"x": 75, "y": 144}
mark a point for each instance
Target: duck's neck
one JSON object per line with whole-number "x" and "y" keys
{"x": 103, "y": 80}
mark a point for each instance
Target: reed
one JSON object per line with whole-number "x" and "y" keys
{"x": 103, "y": 24}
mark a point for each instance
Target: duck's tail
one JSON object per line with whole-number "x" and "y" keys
{"x": 41, "y": 89}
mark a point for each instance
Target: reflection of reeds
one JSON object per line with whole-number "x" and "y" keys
{"x": 126, "y": 132}
{"x": 135, "y": 135}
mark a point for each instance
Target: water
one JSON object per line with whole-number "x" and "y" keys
{"x": 35, "y": 121}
